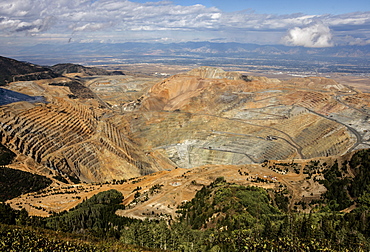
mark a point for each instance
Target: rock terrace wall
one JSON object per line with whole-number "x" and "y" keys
{"x": 70, "y": 138}
{"x": 208, "y": 118}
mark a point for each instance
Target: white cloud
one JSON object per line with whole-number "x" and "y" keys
{"x": 91, "y": 27}
{"x": 315, "y": 35}
{"x": 122, "y": 16}
{"x": 6, "y": 23}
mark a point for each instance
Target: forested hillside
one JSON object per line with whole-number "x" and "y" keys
{"x": 64, "y": 69}
{"x": 348, "y": 183}
{"x": 229, "y": 217}
{"x": 94, "y": 216}
{"x": 6, "y": 156}
{"x": 13, "y": 70}
{"x": 222, "y": 216}
{"x": 91, "y": 226}
{"x": 15, "y": 182}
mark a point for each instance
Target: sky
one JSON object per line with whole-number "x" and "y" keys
{"x": 311, "y": 23}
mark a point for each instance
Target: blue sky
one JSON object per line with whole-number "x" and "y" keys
{"x": 311, "y": 23}
{"x": 283, "y": 6}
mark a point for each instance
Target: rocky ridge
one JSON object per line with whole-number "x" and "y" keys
{"x": 67, "y": 68}
{"x": 12, "y": 70}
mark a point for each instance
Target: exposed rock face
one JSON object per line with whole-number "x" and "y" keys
{"x": 222, "y": 121}
{"x": 214, "y": 73}
{"x": 73, "y": 139}
{"x": 187, "y": 91}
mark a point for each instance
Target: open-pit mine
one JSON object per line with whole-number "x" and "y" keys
{"x": 102, "y": 128}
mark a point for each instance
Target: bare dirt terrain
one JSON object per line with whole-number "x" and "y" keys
{"x": 361, "y": 83}
{"x": 176, "y": 186}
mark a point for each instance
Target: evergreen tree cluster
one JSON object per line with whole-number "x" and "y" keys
{"x": 344, "y": 190}
{"x": 227, "y": 205}
{"x": 6, "y": 156}
{"x": 95, "y": 216}
{"x": 14, "y": 183}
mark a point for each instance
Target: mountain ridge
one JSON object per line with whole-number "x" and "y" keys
{"x": 68, "y": 68}
{"x": 205, "y": 47}
{"x": 13, "y": 70}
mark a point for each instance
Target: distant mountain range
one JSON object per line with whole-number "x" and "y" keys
{"x": 192, "y": 48}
